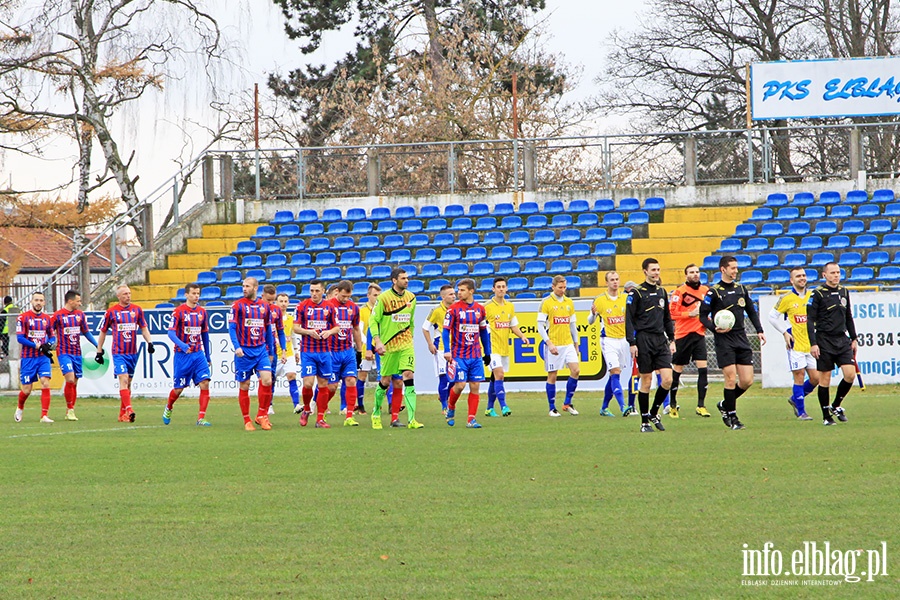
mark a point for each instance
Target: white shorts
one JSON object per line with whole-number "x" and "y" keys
{"x": 288, "y": 367}
{"x": 800, "y": 360}
{"x": 499, "y": 361}
{"x": 617, "y": 354}
{"x": 367, "y": 365}
{"x": 440, "y": 364}
{"x": 567, "y": 354}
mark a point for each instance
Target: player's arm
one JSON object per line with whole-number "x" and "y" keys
{"x": 232, "y": 330}
{"x": 86, "y": 332}
{"x": 677, "y": 310}
{"x": 181, "y": 345}
{"x": 750, "y": 309}
{"x": 445, "y": 334}
{"x": 375, "y": 327}
{"x": 22, "y": 335}
{"x": 270, "y": 341}
{"x": 514, "y": 326}
{"x": 427, "y": 328}
{"x": 593, "y": 314}
{"x": 542, "y": 328}
{"x": 706, "y": 310}
{"x": 850, "y": 325}
{"x": 207, "y": 346}
{"x": 105, "y": 324}
{"x": 485, "y": 333}
{"x": 630, "y": 313}
{"x": 668, "y": 322}
{"x": 573, "y": 327}
{"x": 812, "y": 313}
{"x": 281, "y": 339}
{"x": 778, "y": 320}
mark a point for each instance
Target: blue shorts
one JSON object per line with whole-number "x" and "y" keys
{"x": 69, "y": 363}
{"x": 343, "y": 364}
{"x": 125, "y": 364}
{"x": 254, "y": 360}
{"x": 316, "y": 364}
{"x": 469, "y": 369}
{"x": 190, "y": 369}
{"x": 32, "y": 369}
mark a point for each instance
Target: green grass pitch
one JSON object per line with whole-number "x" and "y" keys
{"x": 527, "y": 507}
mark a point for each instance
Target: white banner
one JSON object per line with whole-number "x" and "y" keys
{"x": 877, "y": 319}
{"x": 858, "y": 87}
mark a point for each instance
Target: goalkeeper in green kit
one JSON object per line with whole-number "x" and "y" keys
{"x": 391, "y": 326}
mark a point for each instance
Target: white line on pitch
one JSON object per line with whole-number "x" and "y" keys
{"x": 25, "y": 435}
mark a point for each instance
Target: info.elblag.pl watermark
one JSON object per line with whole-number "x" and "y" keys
{"x": 814, "y": 563}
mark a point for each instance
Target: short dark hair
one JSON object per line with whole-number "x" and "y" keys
{"x": 316, "y": 282}
{"x": 344, "y": 285}
{"x": 187, "y": 289}
{"x": 798, "y": 269}
{"x": 498, "y": 280}
{"x": 269, "y": 289}
{"x": 71, "y": 295}
{"x": 36, "y": 292}
{"x": 726, "y": 260}
{"x": 446, "y": 286}
{"x": 396, "y": 272}
{"x": 7, "y": 300}
{"x": 469, "y": 283}
{"x": 828, "y": 264}
{"x": 647, "y": 262}
{"x": 688, "y": 267}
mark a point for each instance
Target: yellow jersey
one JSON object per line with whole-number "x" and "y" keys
{"x": 501, "y": 319}
{"x": 365, "y": 313}
{"x": 559, "y": 314}
{"x": 793, "y": 306}
{"x": 288, "y": 333}
{"x": 436, "y": 318}
{"x": 612, "y": 313}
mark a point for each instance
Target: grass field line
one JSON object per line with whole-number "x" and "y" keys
{"x": 129, "y": 428}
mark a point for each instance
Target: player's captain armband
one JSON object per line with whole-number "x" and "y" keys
{"x": 615, "y": 320}
{"x": 126, "y": 326}
{"x": 401, "y": 318}
{"x": 317, "y": 325}
{"x": 193, "y": 330}
{"x": 560, "y": 320}
{"x": 253, "y": 322}
{"x": 501, "y": 324}
{"x": 71, "y": 330}
{"x": 468, "y": 328}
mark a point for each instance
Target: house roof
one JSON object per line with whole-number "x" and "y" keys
{"x": 36, "y": 250}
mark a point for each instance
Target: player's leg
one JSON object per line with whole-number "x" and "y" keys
{"x": 643, "y": 395}
{"x": 308, "y": 372}
{"x": 180, "y": 374}
{"x": 823, "y": 390}
{"x": 702, "y": 381}
{"x": 551, "y": 364}
{"x": 45, "y": 395}
{"x": 848, "y": 370}
{"x": 243, "y": 370}
{"x": 125, "y": 410}
{"x": 204, "y": 403}
{"x": 264, "y": 371}
{"x": 324, "y": 381}
{"x": 174, "y": 394}
{"x": 200, "y": 376}
{"x": 662, "y": 390}
{"x": 350, "y": 386}
{"x": 798, "y": 372}
{"x": 499, "y": 365}
{"x": 475, "y": 376}
{"x": 459, "y": 384}
{"x": 571, "y": 361}
{"x": 293, "y": 387}
{"x": 28, "y": 374}
{"x": 727, "y": 405}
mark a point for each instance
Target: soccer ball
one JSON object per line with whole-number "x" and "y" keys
{"x": 724, "y": 319}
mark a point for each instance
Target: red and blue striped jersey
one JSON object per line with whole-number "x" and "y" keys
{"x": 318, "y": 317}
{"x": 251, "y": 319}
{"x": 126, "y": 323}
{"x": 68, "y": 326}
{"x": 347, "y": 318}
{"x": 35, "y": 327}
{"x": 189, "y": 324}
{"x": 465, "y": 323}
{"x": 277, "y": 319}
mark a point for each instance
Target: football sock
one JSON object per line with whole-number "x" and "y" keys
{"x": 443, "y": 391}
{"x": 571, "y": 384}
{"x": 22, "y": 397}
{"x": 702, "y": 384}
{"x": 473, "y": 406}
{"x": 739, "y": 391}
{"x": 173, "y": 396}
{"x": 631, "y": 395}
{"x": 204, "y": 403}
{"x": 644, "y": 404}
{"x": 343, "y": 397}
{"x": 293, "y": 389}
{"x": 322, "y": 403}
{"x": 551, "y": 395}
{"x": 808, "y": 387}
{"x": 842, "y": 391}
{"x": 658, "y": 399}
{"x": 728, "y": 402}
{"x": 673, "y": 391}
{"x": 331, "y": 392}
{"x": 454, "y": 396}
{"x": 380, "y": 397}
{"x": 823, "y": 402}
{"x": 396, "y": 402}
{"x": 492, "y": 394}
{"x": 244, "y": 402}
{"x": 307, "y": 398}
{"x": 615, "y": 381}
{"x": 360, "y": 393}
{"x": 409, "y": 396}
{"x": 264, "y": 395}
{"x": 797, "y": 397}
{"x": 607, "y": 392}
{"x": 45, "y": 401}
{"x": 71, "y": 394}
{"x": 351, "y": 400}
{"x": 125, "y": 396}
{"x": 500, "y": 389}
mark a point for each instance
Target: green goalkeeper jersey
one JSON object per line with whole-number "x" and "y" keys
{"x": 392, "y": 319}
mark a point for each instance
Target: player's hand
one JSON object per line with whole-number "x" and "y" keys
{"x": 189, "y": 350}
{"x": 99, "y": 357}
{"x": 695, "y": 312}
{"x": 814, "y": 350}
{"x": 634, "y": 352}
{"x": 762, "y": 338}
{"x": 672, "y": 348}
{"x": 315, "y": 334}
{"x": 150, "y": 348}
{"x": 379, "y": 349}
{"x": 788, "y": 340}
{"x": 720, "y": 330}
{"x": 239, "y": 352}
{"x": 854, "y": 346}
{"x": 553, "y": 349}
{"x": 283, "y": 358}
{"x": 526, "y": 343}
{"x": 369, "y": 355}
{"x": 432, "y": 348}
{"x": 487, "y": 360}
{"x": 447, "y": 357}
{"x": 45, "y": 349}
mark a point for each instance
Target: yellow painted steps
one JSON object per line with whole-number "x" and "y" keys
{"x": 699, "y": 229}
{"x": 632, "y": 262}
{"x": 152, "y": 294}
{"x": 712, "y": 213}
{"x": 217, "y": 246}
{"x": 677, "y": 245}
{"x": 172, "y": 276}
{"x": 198, "y": 262}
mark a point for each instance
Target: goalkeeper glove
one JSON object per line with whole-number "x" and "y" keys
{"x": 99, "y": 357}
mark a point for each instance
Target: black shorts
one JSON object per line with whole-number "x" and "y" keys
{"x": 733, "y": 348}
{"x": 690, "y": 347}
{"x": 834, "y": 351}
{"x": 653, "y": 352}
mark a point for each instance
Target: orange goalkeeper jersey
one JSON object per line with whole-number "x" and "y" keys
{"x": 684, "y": 300}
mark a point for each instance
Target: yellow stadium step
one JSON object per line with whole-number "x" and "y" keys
{"x": 632, "y": 262}
{"x": 218, "y": 246}
{"x": 712, "y": 213}
{"x": 152, "y": 294}
{"x": 172, "y": 276}
{"x": 199, "y": 262}
{"x": 675, "y": 245}
{"x": 234, "y": 230}
{"x": 722, "y": 229}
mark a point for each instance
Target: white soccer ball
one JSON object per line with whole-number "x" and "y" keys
{"x": 724, "y": 319}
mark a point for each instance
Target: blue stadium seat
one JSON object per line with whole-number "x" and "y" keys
{"x": 829, "y": 198}
{"x": 710, "y": 263}
{"x": 434, "y": 287}
{"x": 638, "y": 217}
{"x": 551, "y": 207}
{"x": 429, "y": 211}
{"x": 877, "y": 258}
{"x": 820, "y": 259}
{"x": 573, "y": 282}
{"x": 543, "y": 236}
{"x": 461, "y": 224}
{"x": 374, "y": 257}
{"x": 361, "y": 227}
{"x": 312, "y": 229}
{"x": 868, "y": 211}
{"x": 803, "y": 199}
{"x": 330, "y": 274}
{"x": 288, "y": 231}
{"x": 386, "y": 226}
{"x": 380, "y": 272}
{"x": 511, "y": 222}
{"x": 883, "y": 195}
{"x": 620, "y": 233}
{"x": 400, "y": 255}
{"x": 604, "y": 205}
{"x": 853, "y": 227}
{"x": 448, "y": 254}
{"x": 826, "y": 228}
{"x": 294, "y": 245}
{"x": 380, "y": 213}
{"x": 811, "y": 275}
{"x": 889, "y": 273}
{"x": 757, "y": 244}
{"x": 503, "y": 209}
{"x": 368, "y": 241}
{"x": 474, "y": 253}
{"x": 250, "y": 261}
{"x": 417, "y": 240}
{"x": 483, "y": 269}
{"x": 536, "y": 222}
{"x": 307, "y": 216}
{"x": 454, "y": 210}
{"x": 788, "y": 213}
{"x": 263, "y": 231}
{"x": 744, "y": 230}
{"x": 767, "y": 261}
{"x": 425, "y": 255}
{"x": 850, "y": 259}
{"x": 325, "y": 258}
{"x": 485, "y": 224}
{"x": 411, "y": 225}
{"x": 528, "y": 251}
{"x": 304, "y": 274}
{"x": 612, "y": 219}
{"x": 233, "y": 293}
{"x": 501, "y": 252}
{"x": 269, "y": 246}
{"x": 331, "y": 214}
{"x": 587, "y": 265}
{"x": 395, "y": 240}
{"x": 257, "y": 274}
{"x": 361, "y": 290}
{"x": 604, "y": 249}
{"x": 493, "y": 238}
{"x": 245, "y": 247}
{"x": 794, "y": 260}
{"x": 300, "y": 259}
{"x": 782, "y": 244}
{"x": 467, "y": 238}
{"x": 526, "y": 296}
{"x": 862, "y": 274}
{"x": 561, "y": 220}
{"x": 304, "y": 290}
{"x": 344, "y": 242}
{"x": 436, "y": 225}
{"x": 865, "y": 241}
{"x": 528, "y": 208}
{"x": 215, "y": 303}
{"x": 351, "y": 257}
{"x": 798, "y": 229}
{"x": 587, "y": 220}
{"x": 561, "y": 267}
{"x": 275, "y": 260}
{"x": 654, "y": 203}
{"x": 743, "y": 261}
{"x": 730, "y": 245}
{"x": 856, "y": 197}
{"x": 595, "y": 234}
{"x": 542, "y": 283}
{"x": 629, "y": 204}
{"x": 432, "y": 270}
{"x": 578, "y": 206}
{"x": 815, "y": 212}
{"x": 771, "y": 229}
{"x": 356, "y": 214}
{"x": 762, "y": 214}
{"x": 206, "y": 278}
{"x": 518, "y": 237}
{"x": 704, "y": 278}
{"x": 777, "y": 200}
{"x": 892, "y": 210}
{"x": 841, "y": 211}
{"x": 319, "y": 243}
{"x": 457, "y": 270}
{"x": 230, "y": 277}
{"x": 836, "y": 242}
{"x": 485, "y": 286}
{"x": 226, "y": 262}
{"x": 280, "y": 275}
{"x": 778, "y": 277}
{"x": 534, "y": 267}
{"x": 578, "y": 250}
{"x": 479, "y": 210}
{"x": 282, "y": 216}
{"x": 404, "y": 212}
{"x": 751, "y": 277}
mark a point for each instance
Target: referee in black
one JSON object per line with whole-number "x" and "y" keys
{"x": 832, "y": 339}
{"x": 650, "y": 332}
{"x": 733, "y": 351}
